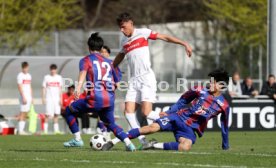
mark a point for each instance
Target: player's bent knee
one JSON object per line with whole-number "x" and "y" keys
{"x": 130, "y": 107}
{"x": 184, "y": 147}
{"x": 145, "y": 113}
{"x": 68, "y": 110}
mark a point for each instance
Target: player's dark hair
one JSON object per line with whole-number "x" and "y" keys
{"x": 124, "y": 17}
{"x": 95, "y": 42}
{"x": 107, "y": 49}
{"x": 71, "y": 87}
{"x": 220, "y": 75}
{"x": 53, "y": 66}
{"x": 271, "y": 76}
{"x": 24, "y": 64}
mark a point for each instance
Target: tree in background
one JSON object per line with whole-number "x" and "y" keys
{"x": 242, "y": 24}
{"x": 24, "y": 22}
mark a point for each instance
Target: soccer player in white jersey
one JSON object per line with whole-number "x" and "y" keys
{"x": 142, "y": 85}
{"x": 52, "y": 97}
{"x": 25, "y": 90}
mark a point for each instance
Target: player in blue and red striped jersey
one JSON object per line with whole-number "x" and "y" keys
{"x": 101, "y": 78}
{"x": 190, "y": 114}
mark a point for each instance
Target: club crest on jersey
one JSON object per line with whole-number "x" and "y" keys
{"x": 201, "y": 110}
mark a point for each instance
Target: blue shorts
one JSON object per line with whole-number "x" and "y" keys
{"x": 177, "y": 126}
{"x": 106, "y": 114}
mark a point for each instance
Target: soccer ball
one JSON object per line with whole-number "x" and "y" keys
{"x": 97, "y": 141}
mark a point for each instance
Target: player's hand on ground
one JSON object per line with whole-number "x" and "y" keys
{"x": 163, "y": 114}
{"x": 188, "y": 49}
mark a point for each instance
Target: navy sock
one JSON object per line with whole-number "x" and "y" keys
{"x": 171, "y": 146}
{"x": 101, "y": 125}
{"x": 71, "y": 121}
{"x": 134, "y": 133}
{"x": 118, "y": 131}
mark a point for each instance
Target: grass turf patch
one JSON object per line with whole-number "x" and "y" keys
{"x": 247, "y": 149}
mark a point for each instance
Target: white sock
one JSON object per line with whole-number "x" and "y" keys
{"x": 107, "y": 135}
{"x": 127, "y": 141}
{"x": 149, "y": 121}
{"x": 153, "y": 115}
{"x": 77, "y": 136}
{"x": 133, "y": 122}
{"x": 21, "y": 126}
{"x": 115, "y": 141}
{"x": 45, "y": 128}
{"x": 158, "y": 145}
{"x": 142, "y": 139}
{"x": 56, "y": 127}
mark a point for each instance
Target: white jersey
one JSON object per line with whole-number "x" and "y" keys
{"x": 137, "y": 52}
{"x": 25, "y": 80}
{"x": 53, "y": 86}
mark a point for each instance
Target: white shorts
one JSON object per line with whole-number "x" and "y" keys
{"x": 52, "y": 107}
{"x": 142, "y": 88}
{"x": 25, "y": 107}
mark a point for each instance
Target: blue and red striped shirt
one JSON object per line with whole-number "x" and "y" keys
{"x": 196, "y": 106}
{"x": 101, "y": 79}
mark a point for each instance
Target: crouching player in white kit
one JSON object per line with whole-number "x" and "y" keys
{"x": 52, "y": 97}
{"x": 142, "y": 84}
{"x": 25, "y": 90}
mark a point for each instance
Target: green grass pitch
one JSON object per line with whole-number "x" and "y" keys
{"x": 248, "y": 149}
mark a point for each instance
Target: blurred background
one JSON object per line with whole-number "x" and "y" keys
{"x": 223, "y": 33}
{"x": 220, "y": 32}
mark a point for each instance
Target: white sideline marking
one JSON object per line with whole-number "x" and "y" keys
{"x": 200, "y": 165}
{"x": 75, "y": 161}
{"x": 132, "y": 162}
{"x": 209, "y": 153}
{"x": 39, "y": 159}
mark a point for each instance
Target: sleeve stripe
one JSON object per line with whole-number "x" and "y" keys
{"x": 153, "y": 35}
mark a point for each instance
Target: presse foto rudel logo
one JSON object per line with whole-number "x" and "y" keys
{"x": 182, "y": 84}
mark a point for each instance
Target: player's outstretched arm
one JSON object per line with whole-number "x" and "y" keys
{"x": 185, "y": 99}
{"x": 175, "y": 40}
{"x": 118, "y": 59}
{"x": 176, "y": 107}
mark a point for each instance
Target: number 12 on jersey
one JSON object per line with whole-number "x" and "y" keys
{"x": 103, "y": 65}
